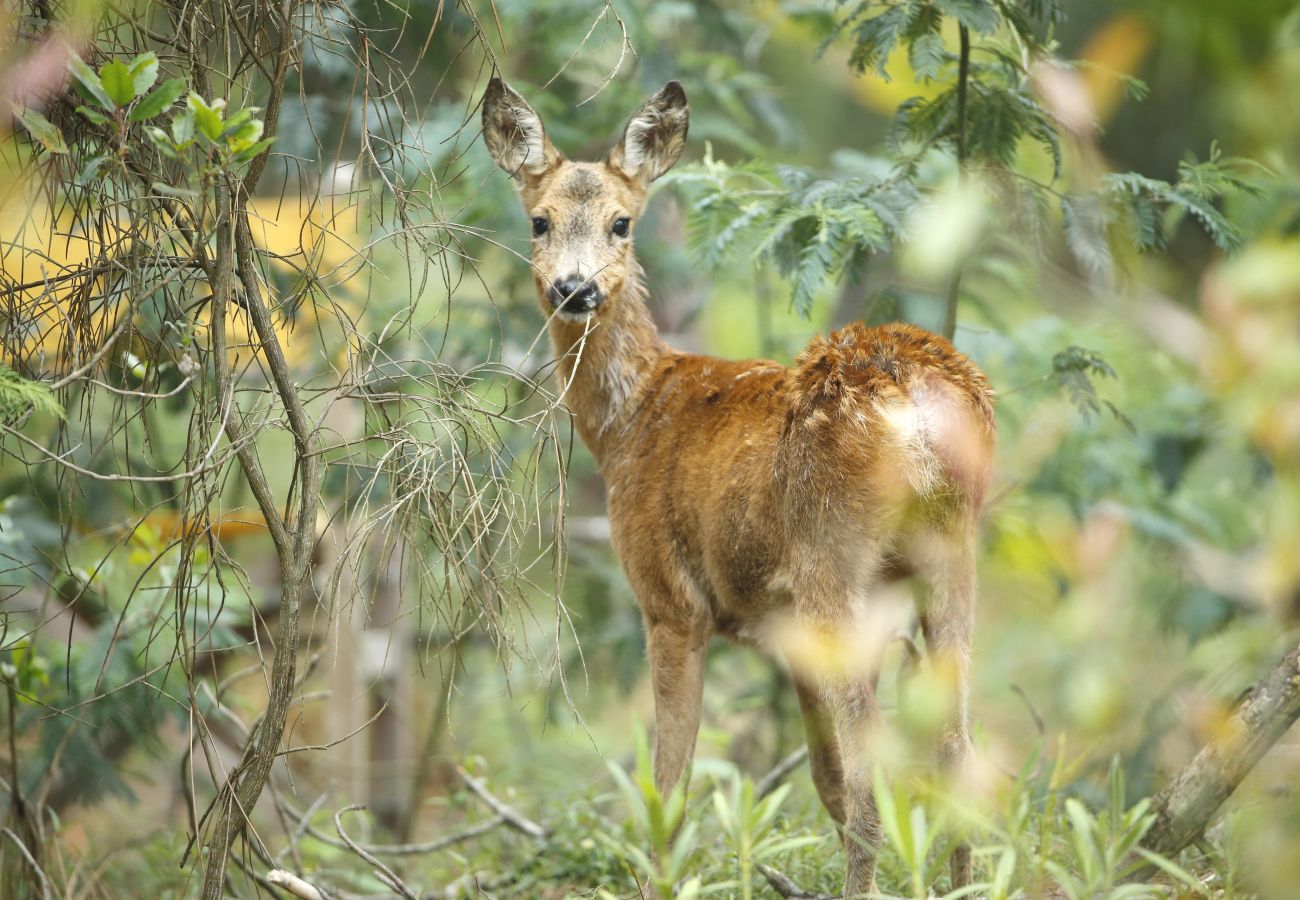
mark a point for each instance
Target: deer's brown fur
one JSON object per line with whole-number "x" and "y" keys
{"x": 746, "y": 495}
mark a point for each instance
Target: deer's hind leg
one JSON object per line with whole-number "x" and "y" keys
{"x": 946, "y": 562}
{"x": 857, "y": 718}
{"x": 838, "y": 697}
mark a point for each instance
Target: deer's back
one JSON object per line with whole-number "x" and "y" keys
{"x": 731, "y": 469}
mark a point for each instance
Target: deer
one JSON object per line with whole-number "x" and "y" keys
{"x": 745, "y": 496}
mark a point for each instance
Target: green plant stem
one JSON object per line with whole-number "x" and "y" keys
{"x": 746, "y": 874}
{"x": 963, "y": 77}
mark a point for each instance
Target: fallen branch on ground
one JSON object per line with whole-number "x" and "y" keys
{"x": 787, "y": 888}
{"x": 772, "y": 780}
{"x": 382, "y": 872}
{"x": 511, "y": 816}
{"x": 291, "y": 883}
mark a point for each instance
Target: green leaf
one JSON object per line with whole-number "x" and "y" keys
{"x": 815, "y": 262}
{"x": 90, "y": 171}
{"x": 926, "y": 56}
{"x": 162, "y": 140}
{"x": 875, "y": 38}
{"x": 207, "y": 119}
{"x": 88, "y": 83}
{"x": 1173, "y": 870}
{"x": 116, "y": 79}
{"x": 144, "y": 72}
{"x": 977, "y": 15}
{"x": 1084, "y": 221}
{"x": 42, "y": 130}
{"x": 245, "y": 136}
{"x": 236, "y": 120}
{"x": 256, "y": 149}
{"x": 183, "y": 128}
{"x": 94, "y": 116}
{"x": 161, "y": 99}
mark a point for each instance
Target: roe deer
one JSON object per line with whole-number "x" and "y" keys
{"x": 743, "y": 494}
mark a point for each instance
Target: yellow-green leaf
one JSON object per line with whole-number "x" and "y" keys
{"x": 94, "y": 115}
{"x": 144, "y": 72}
{"x": 117, "y": 82}
{"x": 207, "y": 119}
{"x": 88, "y": 83}
{"x": 42, "y": 130}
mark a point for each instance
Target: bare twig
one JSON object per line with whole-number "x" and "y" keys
{"x": 287, "y": 881}
{"x": 382, "y": 871}
{"x": 1039, "y": 724}
{"x": 787, "y": 888}
{"x": 411, "y": 849}
{"x": 772, "y": 780}
{"x": 511, "y": 816}
{"x": 243, "y": 789}
{"x": 31, "y": 861}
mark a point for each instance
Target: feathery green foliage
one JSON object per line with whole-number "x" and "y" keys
{"x": 817, "y": 229}
{"x": 20, "y": 395}
{"x": 811, "y": 228}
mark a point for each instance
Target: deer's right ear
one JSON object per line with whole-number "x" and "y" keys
{"x": 514, "y": 134}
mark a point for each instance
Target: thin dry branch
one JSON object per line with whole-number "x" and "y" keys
{"x": 787, "y": 888}
{"x": 292, "y": 884}
{"x": 41, "y": 877}
{"x": 773, "y": 779}
{"x": 382, "y": 871}
{"x": 450, "y": 477}
{"x": 512, "y": 817}
{"x": 245, "y": 785}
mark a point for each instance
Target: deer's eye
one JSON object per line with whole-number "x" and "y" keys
{"x": 540, "y": 225}
{"x": 621, "y": 226}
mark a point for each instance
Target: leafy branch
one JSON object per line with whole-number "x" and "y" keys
{"x": 982, "y": 114}
{"x": 1074, "y": 369}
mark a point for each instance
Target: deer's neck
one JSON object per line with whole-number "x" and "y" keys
{"x": 606, "y": 364}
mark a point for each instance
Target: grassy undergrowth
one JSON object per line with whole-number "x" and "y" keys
{"x": 1035, "y": 834}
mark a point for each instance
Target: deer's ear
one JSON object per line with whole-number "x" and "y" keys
{"x": 655, "y": 137}
{"x": 514, "y": 134}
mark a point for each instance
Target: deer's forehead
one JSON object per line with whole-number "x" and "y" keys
{"x": 576, "y": 188}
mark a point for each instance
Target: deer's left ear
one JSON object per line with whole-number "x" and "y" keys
{"x": 655, "y": 137}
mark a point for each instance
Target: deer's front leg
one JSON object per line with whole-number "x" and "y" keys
{"x": 823, "y": 747}
{"x": 676, "y": 652}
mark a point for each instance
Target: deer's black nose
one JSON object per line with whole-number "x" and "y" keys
{"x": 575, "y": 295}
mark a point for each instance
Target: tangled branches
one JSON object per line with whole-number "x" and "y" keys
{"x": 220, "y": 361}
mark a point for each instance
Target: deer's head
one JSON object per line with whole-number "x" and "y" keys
{"x": 583, "y": 214}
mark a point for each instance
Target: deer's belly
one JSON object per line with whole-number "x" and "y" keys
{"x": 730, "y": 577}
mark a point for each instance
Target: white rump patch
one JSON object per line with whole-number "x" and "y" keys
{"x": 937, "y": 437}
{"x": 914, "y": 428}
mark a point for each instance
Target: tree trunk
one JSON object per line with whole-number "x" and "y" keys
{"x": 1187, "y": 803}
